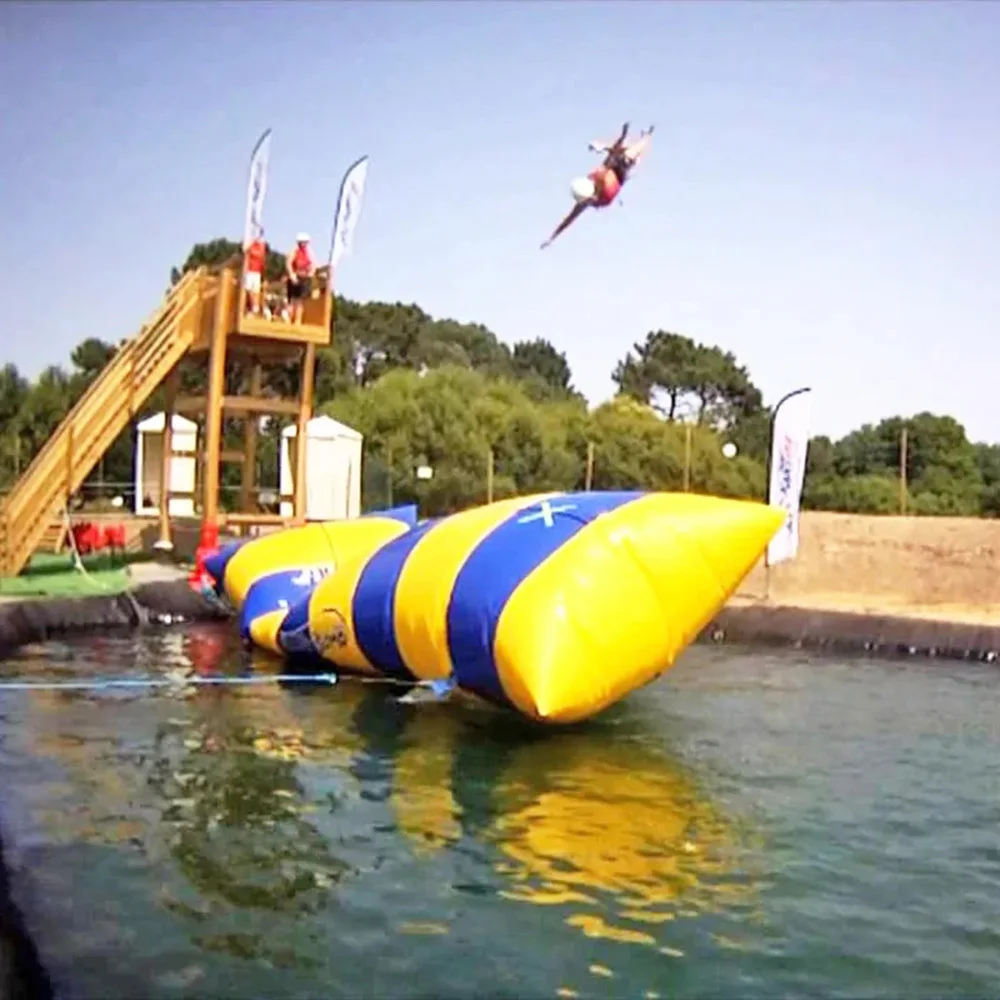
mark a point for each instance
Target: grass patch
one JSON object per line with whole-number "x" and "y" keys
{"x": 50, "y": 575}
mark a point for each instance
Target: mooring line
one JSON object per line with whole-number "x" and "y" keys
{"x": 104, "y": 683}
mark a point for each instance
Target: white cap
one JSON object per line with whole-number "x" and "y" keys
{"x": 583, "y": 189}
{"x": 302, "y": 238}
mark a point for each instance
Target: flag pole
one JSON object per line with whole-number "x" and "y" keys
{"x": 256, "y": 187}
{"x": 349, "y": 199}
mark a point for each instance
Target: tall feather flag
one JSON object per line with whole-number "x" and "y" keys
{"x": 789, "y": 447}
{"x": 253, "y": 225}
{"x": 352, "y": 191}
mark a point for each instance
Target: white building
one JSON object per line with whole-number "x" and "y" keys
{"x": 148, "y": 465}
{"x": 333, "y": 470}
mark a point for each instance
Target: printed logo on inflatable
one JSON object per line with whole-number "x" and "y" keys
{"x": 330, "y": 630}
{"x": 309, "y": 576}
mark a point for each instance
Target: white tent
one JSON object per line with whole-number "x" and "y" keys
{"x": 148, "y": 465}
{"x": 333, "y": 470}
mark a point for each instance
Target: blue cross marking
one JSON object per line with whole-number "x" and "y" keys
{"x": 546, "y": 512}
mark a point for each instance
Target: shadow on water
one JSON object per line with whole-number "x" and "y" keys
{"x": 266, "y": 824}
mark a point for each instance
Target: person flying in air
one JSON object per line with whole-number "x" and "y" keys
{"x": 600, "y": 188}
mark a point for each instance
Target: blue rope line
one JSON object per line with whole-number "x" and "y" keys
{"x": 100, "y": 684}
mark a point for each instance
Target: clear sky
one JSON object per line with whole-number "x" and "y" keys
{"x": 822, "y": 197}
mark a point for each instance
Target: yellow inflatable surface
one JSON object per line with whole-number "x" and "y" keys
{"x": 555, "y": 605}
{"x": 266, "y": 576}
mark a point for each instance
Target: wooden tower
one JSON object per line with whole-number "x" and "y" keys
{"x": 228, "y": 334}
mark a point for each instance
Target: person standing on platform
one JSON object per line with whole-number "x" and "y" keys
{"x": 301, "y": 268}
{"x": 254, "y": 258}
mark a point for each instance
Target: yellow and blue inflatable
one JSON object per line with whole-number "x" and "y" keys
{"x": 555, "y": 605}
{"x": 263, "y": 577}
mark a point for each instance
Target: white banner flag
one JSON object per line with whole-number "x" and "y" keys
{"x": 788, "y": 469}
{"x": 352, "y": 190}
{"x": 253, "y": 225}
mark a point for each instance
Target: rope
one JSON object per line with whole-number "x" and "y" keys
{"x": 105, "y": 683}
{"x": 141, "y": 615}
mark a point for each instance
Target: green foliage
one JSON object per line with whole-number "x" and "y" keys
{"x": 684, "y": 379}
{"x": 440, "y": 393}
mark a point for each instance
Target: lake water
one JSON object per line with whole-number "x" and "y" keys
{"x": 753, "y": 825}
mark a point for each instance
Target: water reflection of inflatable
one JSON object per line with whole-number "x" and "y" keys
{"x": 555, "y": 606}
{"x": 618, "y": 836}
{"x": 610, "y": 832}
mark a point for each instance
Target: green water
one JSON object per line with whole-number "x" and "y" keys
{"x": 753, "y": 825}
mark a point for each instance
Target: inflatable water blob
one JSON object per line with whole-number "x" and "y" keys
{"x": 218, "y": 561}
{"x": 294, "y": 636}
{"x": 266, "y": 575}
{"x": 555, "y": 605}
{"x": 270, "y": 597}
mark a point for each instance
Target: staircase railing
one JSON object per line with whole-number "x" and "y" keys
{"x": 98, "y": 417}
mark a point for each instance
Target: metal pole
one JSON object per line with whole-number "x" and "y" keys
{"x": 902, "y": 471}
{"x": 767, "y": 471}
{"x": 687, "y": 458}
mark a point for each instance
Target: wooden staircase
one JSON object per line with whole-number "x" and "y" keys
{"x": 107, "y": 407}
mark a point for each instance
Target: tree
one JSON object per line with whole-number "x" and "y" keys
{"x": 91, "y": 355}
{"x": 855, "y": 494}
{"x": 941, "y": 464}
{"x": 682, "y": 379}
{"x": 449, "y": 419}
{"x": 538, "y": 359}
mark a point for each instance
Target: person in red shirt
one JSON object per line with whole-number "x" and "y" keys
{"x": 600, "y": 188}
{"x": 254, "y": 258}
{"x": 300, "y": 271}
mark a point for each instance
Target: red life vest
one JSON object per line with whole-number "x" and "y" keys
{"x": 606, "y": 184}
{"x": 256, "y": 254}
{"x": 302, "y": 260}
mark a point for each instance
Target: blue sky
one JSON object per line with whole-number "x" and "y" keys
{"x": 822, "y": 197}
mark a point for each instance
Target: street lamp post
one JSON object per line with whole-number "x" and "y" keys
{"x": 767, "y": 471}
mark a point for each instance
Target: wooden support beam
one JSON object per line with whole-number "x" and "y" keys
{"x": 213, "y": 403}
{"x": 249, "y": 477}
{"x": 197, "y": 405}
{"x": 306, "y": 386}
{"x": 251, "y": 518}
{"x": 166, "y": 456}
{"x": 232, "y": 456}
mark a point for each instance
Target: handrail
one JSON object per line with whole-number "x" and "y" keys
{"x": 96, "y": 419}
{"x": 98, "y": 396}
{"x": 173, "y": 299}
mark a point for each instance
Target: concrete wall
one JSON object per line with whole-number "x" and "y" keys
{"x": 926, "y": 564}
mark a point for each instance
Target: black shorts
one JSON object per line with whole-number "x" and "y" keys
{"x": 300, "y": 288}
{"x": 621, "y": 166}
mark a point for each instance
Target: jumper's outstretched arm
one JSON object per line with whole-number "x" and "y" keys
{"x": 606, "y": 147}
{"x": 636, "y": 150}
{"x": 573, "y": 215}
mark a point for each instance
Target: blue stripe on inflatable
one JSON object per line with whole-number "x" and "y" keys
{"x": 406, "y": 513}
{"x": 495, "y": 569}
{"x": 277, "y": 590}
{"x": 374, "y": 599}
{"x": 294, "y": 636}
{"x": 216, "y": 563}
